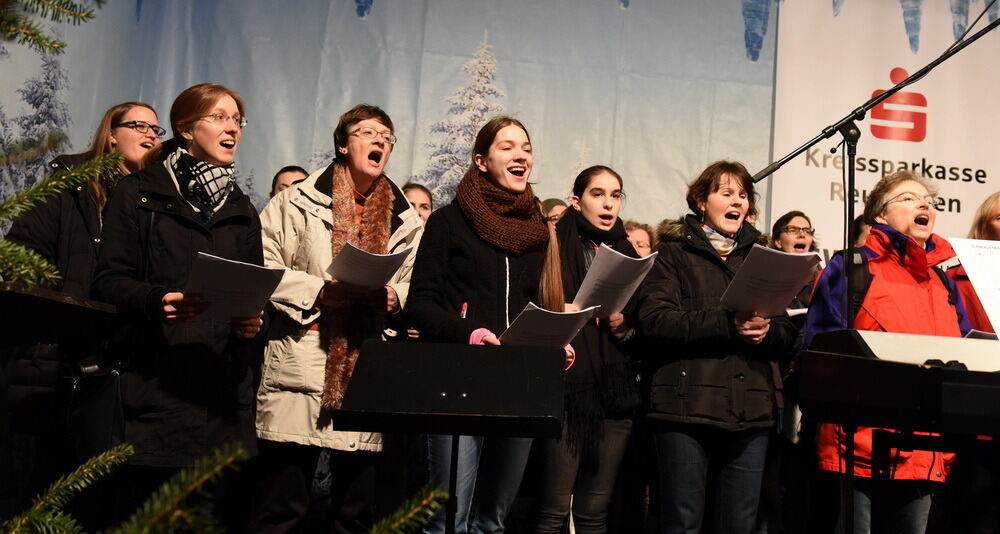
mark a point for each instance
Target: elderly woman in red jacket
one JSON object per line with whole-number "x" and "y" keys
{"x": 905, "y": 296}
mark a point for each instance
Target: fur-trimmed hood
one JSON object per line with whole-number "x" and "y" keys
{"x": 675, "y": 230}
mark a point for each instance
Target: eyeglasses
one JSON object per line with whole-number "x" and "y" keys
{"x": 372, "y": 133}
{"x": 553, "y": 218}
{"x": 796, "y": 229}
{"x": 141, "y": 127}
{"x": 910, "y": 198}
{"x": 219, "y": 118}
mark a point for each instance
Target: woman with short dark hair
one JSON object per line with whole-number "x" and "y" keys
{"x": 712, "y": 398}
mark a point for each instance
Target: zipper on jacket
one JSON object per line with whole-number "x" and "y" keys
{"x": 506, "y": 293}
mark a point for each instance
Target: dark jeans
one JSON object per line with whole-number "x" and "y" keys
{"x": 890, "y": 506}
{"x": 284, "y": 478}
{"x": 702, "y": 466}
{"x": 589, "y": 486}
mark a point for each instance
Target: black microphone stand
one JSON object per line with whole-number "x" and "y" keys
{"x": 850, "y": 132}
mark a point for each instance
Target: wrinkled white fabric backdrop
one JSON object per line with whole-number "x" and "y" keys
{"x": 656, "y": 90}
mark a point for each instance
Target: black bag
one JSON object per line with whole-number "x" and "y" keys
{"x": 96, "y": 418}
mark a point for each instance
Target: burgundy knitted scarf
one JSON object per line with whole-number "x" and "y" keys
{"x": 509, "y": 221}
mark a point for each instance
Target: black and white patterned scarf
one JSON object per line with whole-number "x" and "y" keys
{"x": 204, "y": 186}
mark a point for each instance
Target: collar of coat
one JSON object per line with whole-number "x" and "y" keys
{"x": 688, "y": 230}
{"x": 306, "y": 196}
{"x": 888, "y": 244}
{"x": 160, "y": 193}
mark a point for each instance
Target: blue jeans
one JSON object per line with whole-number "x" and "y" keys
{"x": 489, "y": 474}
{"x": 696, "y": 458}
{"x": 900, "y": 506}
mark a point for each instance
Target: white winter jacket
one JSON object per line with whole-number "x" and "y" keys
{"x": 296, "y": 230}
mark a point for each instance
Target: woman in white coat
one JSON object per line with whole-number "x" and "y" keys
{"x": 315, "y": 336}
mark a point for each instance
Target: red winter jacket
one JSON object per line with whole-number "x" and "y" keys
{"x": 905, "y": 296}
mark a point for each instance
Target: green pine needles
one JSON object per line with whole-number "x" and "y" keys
{"x": 168, "y": 510}
{"x": 165, "y": 512}
{"x": 18, "y": 24}
{"x": 413, "y": 514}
{"x": 20, "y": 264}
{"x": 45, "y": 514}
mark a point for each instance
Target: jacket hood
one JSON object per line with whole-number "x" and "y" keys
{"x": 677, "y": 229}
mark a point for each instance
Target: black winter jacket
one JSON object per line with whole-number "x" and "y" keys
{"x": 65, "y": 230}
{"x": 702, "y": 373}
{"x": 457, "y": 270}
{"x": 180, "y": 401}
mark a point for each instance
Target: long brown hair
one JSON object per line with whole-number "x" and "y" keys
{"x": 550, "y": 287}
{"x": 101, "y": 144}
{"x": 192, "y": 104}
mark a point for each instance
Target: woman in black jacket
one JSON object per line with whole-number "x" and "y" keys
{"x": 478, "y": 265}
{"x": 712, "y": 398}
{"x": 181, "y": 401}
{"x": 66, "y": 231}
{"x": 601, "y": 396}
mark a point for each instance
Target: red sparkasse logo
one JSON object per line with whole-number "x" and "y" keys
{"x": 917, "y": 120}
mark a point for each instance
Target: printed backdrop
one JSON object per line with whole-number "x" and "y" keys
{"x": 830, "y": 61}
{"x": 655, "y": 89}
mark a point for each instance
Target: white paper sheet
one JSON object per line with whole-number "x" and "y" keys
{"x": 981, "y": 259}
{"x": 542, "y": 328}
{"x": 355, "y": 266}
{"x": 232, "y": 289}
{"x": 768, "y": 281}
{"x": 611, "y": 280}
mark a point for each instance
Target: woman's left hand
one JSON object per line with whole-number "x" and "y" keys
{"x": 247, "y": 327}
{"x": 751, "y": 327}
{"x": 617, "y": 324}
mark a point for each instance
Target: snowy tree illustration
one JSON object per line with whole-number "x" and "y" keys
{"x": 40, "y": 131}
{"x": 469, "y": 107}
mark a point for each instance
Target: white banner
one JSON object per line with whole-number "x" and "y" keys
{"x": 942, "y": 126}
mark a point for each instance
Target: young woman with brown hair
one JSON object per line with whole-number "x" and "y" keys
{"x": 480, "y": 262}
{"x": 181, "y": 401}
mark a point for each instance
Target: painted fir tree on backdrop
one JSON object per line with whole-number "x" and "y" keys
{"x": 41, "y": 126}
{"x": 469, "y": 107}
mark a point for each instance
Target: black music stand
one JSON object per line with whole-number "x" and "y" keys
{"x": 438, "y": 388}
{"x": 40, "y": 315}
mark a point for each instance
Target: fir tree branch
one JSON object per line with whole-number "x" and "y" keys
{"x": 21, "y": 264}
{"x": 44, "y": 514}
{"x": 57, "y": 183}
{"x": 414, "y": 513}
{"x": 160, "y": 511}
{"x": 58, "y": 10}
{"x": 20, "y": 29}
{"x": 28, "y": 149}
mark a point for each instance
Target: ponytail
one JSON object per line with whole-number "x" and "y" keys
{"x": 550, "y": 285}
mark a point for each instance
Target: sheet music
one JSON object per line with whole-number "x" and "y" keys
{"x": 981, "y": 259}
{"x": 768, "y": 280}
{"x": 232, "y": 289}
{"x": 539, "y": 327}
{"x": 361, "y": 268}
{"x": 611, "y": 280}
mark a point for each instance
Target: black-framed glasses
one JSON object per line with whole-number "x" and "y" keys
{"x": 141, "y": 127}
{"x": 789, "y": 229}
{"x": 372, "y": 133}
{"x": 220, "y": 119}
